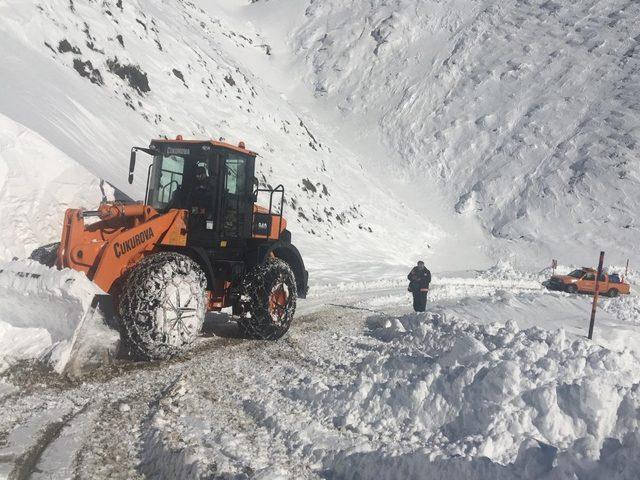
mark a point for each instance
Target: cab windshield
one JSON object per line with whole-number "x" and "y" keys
{"x": 167, "y": 174}
{"x": 577, "y": 274}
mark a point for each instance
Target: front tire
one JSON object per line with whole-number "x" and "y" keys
{"x": 571, "y": 289}
{"x": 269, "y": 297}
{"x": 162, "y": 305}
{"x": 46, "y": 255}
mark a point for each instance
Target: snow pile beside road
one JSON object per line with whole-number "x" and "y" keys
{"x": 37, "y": 183}
{"x": 420, "y": 396}
{"x": 625, "y": 308}
{"x": 506, "y": 270}
{"x": 618, "y": 460}
{"x": 43, "y": 316}
{"x": 448, "y": 389}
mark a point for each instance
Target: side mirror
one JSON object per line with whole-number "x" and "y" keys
{"x": 132, "y": 164}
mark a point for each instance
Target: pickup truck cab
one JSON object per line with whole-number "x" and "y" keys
{"x": 584, "y": 280}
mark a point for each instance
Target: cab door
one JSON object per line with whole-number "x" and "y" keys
{"x": 237, "y": 200}
{"x": 199, "y": 197}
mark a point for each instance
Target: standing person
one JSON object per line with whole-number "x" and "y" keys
{"x": 419, "y": 280}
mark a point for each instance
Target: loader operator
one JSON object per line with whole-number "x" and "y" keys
{"x": 200, "y": 196}
{"x": 419, "y": 280}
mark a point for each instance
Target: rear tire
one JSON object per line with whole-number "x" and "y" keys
{"x": 46, "y": 255}
{"x": 612, "y": 293}
{"x": 571, "y": 289}
{"x": 269, "y": 300}
{"x": 162, "y": 305}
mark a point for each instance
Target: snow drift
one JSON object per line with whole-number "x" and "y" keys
{"x": 518, "y": 397}
{"x": 422, "y": 395}
{"x": 37, "y": 183}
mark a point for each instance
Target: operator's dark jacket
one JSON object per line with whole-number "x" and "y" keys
{"x": 419, "y": 278}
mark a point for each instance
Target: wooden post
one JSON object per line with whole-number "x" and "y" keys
{"x": 595, "y": 296}
{"x": 626, "y": 271}
{"x": 554, "y": 265}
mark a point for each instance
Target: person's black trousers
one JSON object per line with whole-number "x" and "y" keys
{"x": 419, "y": 301}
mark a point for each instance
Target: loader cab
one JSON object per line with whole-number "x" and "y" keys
{"x": 212, "y": 181}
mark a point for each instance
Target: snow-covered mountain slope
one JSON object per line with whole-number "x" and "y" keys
{"x": 94, "y": 78}
{"x": 524, "y": 113}
{"x": 442, "y": 127}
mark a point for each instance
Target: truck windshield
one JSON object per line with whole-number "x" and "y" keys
{"x": 166, "y": 178}
{"x": 577, "y": 274}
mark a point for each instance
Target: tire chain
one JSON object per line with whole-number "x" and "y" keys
{"x": 143, "y": 295}
{"x": 256, "y": 321}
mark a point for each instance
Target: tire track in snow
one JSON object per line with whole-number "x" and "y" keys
{"x": 233, "y": 415}
{"x": 25, "y": 465}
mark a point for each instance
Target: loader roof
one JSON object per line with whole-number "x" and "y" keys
{"x": 237, "y": 148}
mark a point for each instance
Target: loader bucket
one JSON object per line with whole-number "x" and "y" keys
{"x": 58, "y": 317}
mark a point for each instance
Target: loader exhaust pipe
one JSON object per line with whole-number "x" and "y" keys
{"x": 132, "y": 164}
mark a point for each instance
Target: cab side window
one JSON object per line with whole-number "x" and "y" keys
{"x": 236, "y": 176}
{"x": 590, "y": 277}
{"x": 168, "y": 174}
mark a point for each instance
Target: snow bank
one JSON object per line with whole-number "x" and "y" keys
{"x": 445, "y": 389}
{"x": 625, "y": 308}
{"x": 618, "y": 460}
{"x": 37, "y": 184}
{"x": 420, "y": 396}
{"x": 43, "y": 316}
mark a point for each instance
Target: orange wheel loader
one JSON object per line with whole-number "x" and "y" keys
{"x": 198, "y": 243}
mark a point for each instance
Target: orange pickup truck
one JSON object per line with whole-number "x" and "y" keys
{"x": 584, "y": 280}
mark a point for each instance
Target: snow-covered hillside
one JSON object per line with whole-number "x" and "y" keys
{"x": 94, "y": 78}
{"x": 525, "y": 114}
{"x": 508, "y": 128}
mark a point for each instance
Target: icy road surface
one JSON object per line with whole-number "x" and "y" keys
{"x": 360, "y": 388}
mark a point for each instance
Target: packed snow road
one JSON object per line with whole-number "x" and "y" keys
{"x": 359, "y": 388}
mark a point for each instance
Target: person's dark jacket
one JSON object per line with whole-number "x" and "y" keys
{"x": 419, "y": 278}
